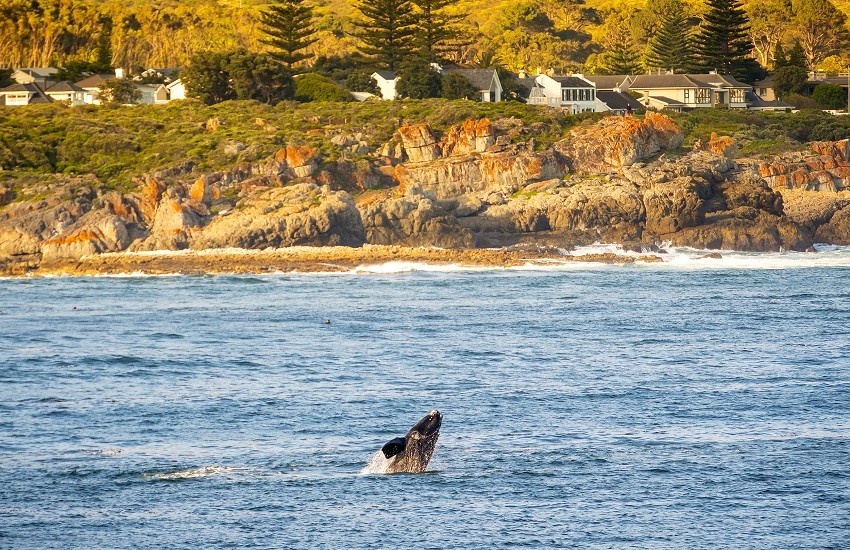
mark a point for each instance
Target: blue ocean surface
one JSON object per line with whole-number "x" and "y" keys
{"x": 689, "y": 404}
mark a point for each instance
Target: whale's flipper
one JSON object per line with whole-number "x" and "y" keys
{"x": 394, "y": 447}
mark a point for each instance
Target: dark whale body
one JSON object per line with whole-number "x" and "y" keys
{"x": 412, "y": 452}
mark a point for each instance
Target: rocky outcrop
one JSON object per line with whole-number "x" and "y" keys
{"x": 476, "y": 184}
{"x": 299, "y": 214}
{"x": 824, "y": 168}
{"x": 413, "y": 220}
{"x": 617, "y": 142}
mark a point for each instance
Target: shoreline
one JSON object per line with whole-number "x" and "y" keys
{"x": 301, "y": 259}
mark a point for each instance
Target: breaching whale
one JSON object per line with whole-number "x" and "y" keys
{"x": 412, "y": 452}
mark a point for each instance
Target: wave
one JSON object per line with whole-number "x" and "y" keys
{"x": 193, "y": 473}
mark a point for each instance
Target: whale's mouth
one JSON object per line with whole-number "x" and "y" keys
{"x": 430, "y": 424}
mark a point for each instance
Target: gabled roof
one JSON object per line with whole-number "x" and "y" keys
{"x": 764, "y": 83}
{"x": 42, "y": 72}
{"x": 666, "y": 100}
{"x": 38, "y": 94}
{"x": 572, "y": 82}
{"x": 680, "y": 81}
{"x": 386, "y": 75}
{"x": 94, "y": 81}
{"x": 755, "y": 102}
{"x": 64, "y": 86}
{"x": 174, "y": 83}
{"x": 618, "y": 101}
{"x": 481, "y": 79}
{"x": 609, "y": 82}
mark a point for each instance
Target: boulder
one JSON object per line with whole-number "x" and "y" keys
{"x": 300, "y": 214}
{"x": 837, "y": 229}
{"x": 616, "y": 142}
{"x": 673, "y": 206}
{"x": 473, "y": 136}
{"x": 412, "y": 221}
{"x": 97, "y": 232}
{"x": 419, "y": 143}
{"x": 719, "y": 145}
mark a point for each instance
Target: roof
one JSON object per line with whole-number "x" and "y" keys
{"x": 42, "y": 72}
{"x": 656, "y": 81}
{"x": 665, "y": 100}
{"x": 94, "y": 81}
{"x": 764, "y": 83}
{"x": 572, "y": 82}
{"x": 480, "y": 78}
{"x": 608, "y": 82}
{"x": 174, "y": 83}
{"x": 618, "y": 101}
{"x": 32, "y": 88}
{"x": 755, "y": 102}
{"x": 64, "y": 86}
{"x": 386, "y": 75}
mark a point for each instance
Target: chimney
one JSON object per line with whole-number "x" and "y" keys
{"x": 119, "y": 73}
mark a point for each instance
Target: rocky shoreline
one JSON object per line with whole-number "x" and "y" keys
{"x": 477, "y": 187}
{"x": 303, "y": 259}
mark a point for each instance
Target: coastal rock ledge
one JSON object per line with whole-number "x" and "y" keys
{"x": 478, "y": 184}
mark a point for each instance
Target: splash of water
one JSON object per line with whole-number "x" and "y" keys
{"x": 378, "y": 465}
{"x": 204, "y": 471}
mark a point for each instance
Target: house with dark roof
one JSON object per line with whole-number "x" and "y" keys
{"x": 684, "y": 92}
{"x": 619, "y": 83}
{"x": 486, "y": 81}
{"x": 91, "y": 86}
{"x": 34, "y": 75}
{"x": 66, "y": 91}
{"x": 23, "y": 94}
{"x": 572, "y": 93}
{"x": 617, "y": 102}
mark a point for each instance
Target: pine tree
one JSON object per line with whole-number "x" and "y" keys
{"x": 672, "y": 47}
{"x": 622, "y": 58}
{"x": 779, "y": 58}
{"x": 288, "y": 27}
{"x": 387, "y": 30}
{"x": 435, "y": 28}
{"x": 722, "y": 42}
{"x": 797, "y": 56}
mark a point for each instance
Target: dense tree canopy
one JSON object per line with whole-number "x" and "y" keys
{"x": 722, "y": 41}
{"x": 214, "y": 77}
{"x": 672, "y": 46}
{"x": 287, "y": 25}
{"x": 387, "y": 30}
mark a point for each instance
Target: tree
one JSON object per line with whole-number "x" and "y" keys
{"x": 387, "y": 30}
{"x": 768, "y": 23}
{"x": 314, "y": 87}
{"x": 214, "y": 77}
{"x": 789, "y": 80}
{"x": 207, "y": 77}
{"x": 361, "y": 81}
{"x": 103, "y": 49}
{"x": 455, "y": 86}
{"x": 287, "y": 25}
{"x": 416, "y": 80}
{"x": 797, "y": 56}
{"x": 434, "y": 27}
{"x": 5, "y": 78}
{"x": 671, "y": 48}
{"x": 830, "y": 96}
{"x": 621, "y": 55}
{"x": 120, "y": 91}
{"x": 779, "y": 58}
{"x": 723, "y": 43}
{"x": 820, "y": 29}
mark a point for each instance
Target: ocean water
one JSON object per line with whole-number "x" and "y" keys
{"x": 690, "y": 404}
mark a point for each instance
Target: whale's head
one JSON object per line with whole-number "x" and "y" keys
{"x": 429, "y": 426}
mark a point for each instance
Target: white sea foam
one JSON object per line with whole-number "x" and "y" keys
{"x": 194, "y": 473}
{"x": 378, "y": 465}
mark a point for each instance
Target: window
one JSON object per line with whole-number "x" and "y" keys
{"x": 703, "y": 95}
{"x": 736, "y": 96}
{"x": 688, "y": 96}
{"x": 762, "y": 91}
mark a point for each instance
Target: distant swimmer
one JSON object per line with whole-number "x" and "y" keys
{"x": 327, "y": 321}
{"x": 412, "y": 452}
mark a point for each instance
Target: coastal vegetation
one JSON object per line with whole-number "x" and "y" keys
{"x": 116, "y": 144}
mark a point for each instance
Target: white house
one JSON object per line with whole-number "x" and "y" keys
{"x": 571, "y": 93}
{"x": 66, "y": 91}
{"x": 91, "y": 87}
{"x": 681, "y": 92}
{"x": 33, "y": 75}
{"x": 23, "y": 94}
{"x": 152, "y": 94}
{"x": 386, "y": 81}
{"x": 176, "y": 90}
{"x": 486, "y": 81}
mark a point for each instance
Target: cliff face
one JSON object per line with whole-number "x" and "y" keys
{"x": 474, "y": 185}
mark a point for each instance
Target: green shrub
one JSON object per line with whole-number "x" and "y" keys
{"x": 456, "y": 86}
{"x": 830, "y": 96}
{"x": 314, "y": 87}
